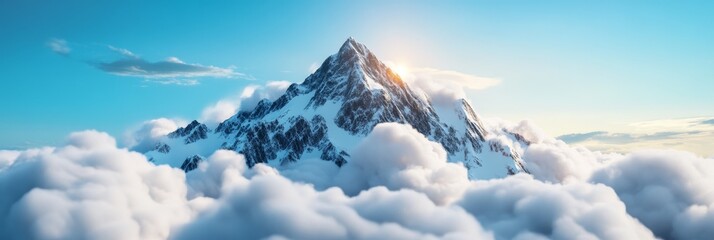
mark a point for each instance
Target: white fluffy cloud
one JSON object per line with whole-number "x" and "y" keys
{"x": 146, "y": 136}
{"x": 220, "y": 111}
{"x": 556, "y": 161}
{"x": 520, "y": 207}
{"x": 397, "y": 156}
{"x": 272, "y": 206}
{"x": 669, "y": 191}
{"x": 89, "y": 189}
{"x": 100, "y": 191}
{"x": 223, "y": 169}
{"x": 397, "y": 185}
{"x": 246, "y": 100}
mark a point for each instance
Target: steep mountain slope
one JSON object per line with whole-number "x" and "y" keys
{"x": 331, "y": 111}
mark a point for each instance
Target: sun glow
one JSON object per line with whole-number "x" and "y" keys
{"x": 400, "y": 69}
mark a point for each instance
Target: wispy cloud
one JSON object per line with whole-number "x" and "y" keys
{"x": 180, "y": 82}
{"x": 171, "y": 67}
{"x": 59, "y": 46}
{"x": 697, "y": 133}
{"x": 455, "y": 78}
{"x": 676, "y": 123}
{"x": 123, "y": 52}
{"x": 442, "y": 87}
{"x": 170, "y": 71}
{"x": 622, "y": 138}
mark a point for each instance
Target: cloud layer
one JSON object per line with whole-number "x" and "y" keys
{"x": 522, "y": 208}
{"x": 398, "y": 185}
{"x": 669, "y": 191}
{"x": 90, "y": 189}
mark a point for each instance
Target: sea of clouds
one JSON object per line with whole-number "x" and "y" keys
{"x": 397, "y": 185}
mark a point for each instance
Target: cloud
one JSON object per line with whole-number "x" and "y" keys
{"x": 672, "y": 124}
{"x": 179, "y": 82}
{"x": 443, "y": 88}
{"x": 171, "y": 67}
{"x": 555, "y": 161}
{"x": 397, "y": 185}
{"x": 269, "y": 205}
{"x": 251, "y": 96}
{"x": 397, "y": 156}
{"x": 273, "y": 206}
{"x": 217, "y": 174}
{"x": 548, "y": 159}
{"x": 246, "y": 100}
{"x": 581, "y": 137}
{"x": 100, "y": 191}
{"x": 90, "y": 189}
{"x": 145, "y": 137}
{"x": 618, "y": 138}
{"x": 520, "y": 207}
{"x": 439, "y": 83}
{"x": 450, "y": 77}
{"x": 122, "y": 51}
{"x": 668, "y": 191}
{"x": 662, "y": 133}
{"x": 59, "y": 46}
{"x": 170, "y": 71}
{"x": 220, "y": 111}
{"x": 710, "y": 121}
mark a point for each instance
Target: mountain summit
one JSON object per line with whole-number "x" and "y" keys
{"x": 331, "y": 111}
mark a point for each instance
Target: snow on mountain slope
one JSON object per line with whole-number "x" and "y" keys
{"x": 332, "y": 110}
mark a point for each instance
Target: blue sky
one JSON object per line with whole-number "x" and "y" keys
{"x": 570, "y": 66}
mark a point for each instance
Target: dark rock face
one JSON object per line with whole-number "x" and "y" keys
{"x": 193, "y": 132}
{"x": 270, "y": 140}
{"x": 162, "y": 148}
{"x": 191, "y": 163}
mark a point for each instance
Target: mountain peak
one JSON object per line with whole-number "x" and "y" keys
{"x": 350, "y": 42}
{"x": 354, "y": 64}
{"x": 331, "y": 111}
{"x": 352, "y": 48}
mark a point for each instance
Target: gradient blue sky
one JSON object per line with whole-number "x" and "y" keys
{"x": 570, "y": 66}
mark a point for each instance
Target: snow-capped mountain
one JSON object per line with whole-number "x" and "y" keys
{"x": 331, "y": 111}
